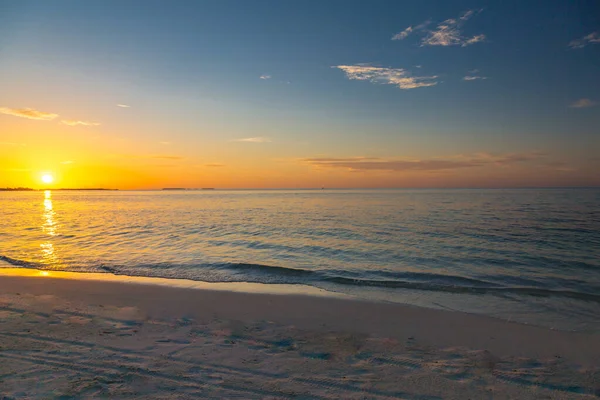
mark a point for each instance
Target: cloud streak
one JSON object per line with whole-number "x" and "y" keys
{"x": 389, "y": 76}
{"x": 31, "y": 113}
{"x": 592, "y": 38}
{"x": 404, "y": 34}
{"x": 72, "y": 122}
{"x": 583, "y": 103}
{"x": 410, "y": 30}
{"x": 426, "y": 165}
{"x": 28, "y": 113}
{"x": 473, "y": 76}
{"x": 253, "y": 140}
{"x": 446, "y": 33}
{"x": 265, "y": 77}
{"x": 123, "y": 105}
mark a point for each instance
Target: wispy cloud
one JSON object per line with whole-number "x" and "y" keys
{"x": 168, "y": 157}
{"x": 507, "y": 159}
{"x": 253, "y": 140}
{"x": 72, "y": 122}
{"x": 337, "y": 159}
{"x": 404, "y": 34}
{"x": 265, "y": 77}
{"x": 214, "y": 165}
{"x": 473, "y": 76}
{"x": 583, "y": 103}
{"x": 410, "y": 30}
{"x": 123, "y": 105}
{"x": 432, "y": 165}
{"x": 592, "y": 38}
{"x": 474, "y": 39}
{"x": 389, "y": 76}
{"x": 165, "y": 143}
{"x": 446, "y": 33}
{"x": 29, "y": 113}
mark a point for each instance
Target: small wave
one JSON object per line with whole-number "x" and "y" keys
{"x": 259, "y": 273}
{"x": 21, "y": 263}
{"x": 524, "y": 291}
{"x": 265, "y": 269}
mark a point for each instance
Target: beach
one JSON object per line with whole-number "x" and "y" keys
{"x": 68, "y": 335}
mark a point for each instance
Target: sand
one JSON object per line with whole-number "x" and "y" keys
{"x": 84, "y": 336}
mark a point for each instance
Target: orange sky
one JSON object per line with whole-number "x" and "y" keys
{"x": 91, "y": 156}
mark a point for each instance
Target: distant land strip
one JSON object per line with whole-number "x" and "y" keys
{"x": 175, "y": 188}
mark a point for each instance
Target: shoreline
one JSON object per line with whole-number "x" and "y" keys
{"x": 7, "y": 270}
{"x": 464, "y": 302}
{"x": 85, "y": 335}
{"x": 317, "y": 303}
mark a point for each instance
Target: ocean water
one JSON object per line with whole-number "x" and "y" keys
{"x": 527, "y": 255}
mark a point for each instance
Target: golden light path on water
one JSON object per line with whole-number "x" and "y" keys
{"x": 49, "y": 226}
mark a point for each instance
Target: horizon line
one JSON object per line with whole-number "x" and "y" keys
{"x": 15, "y": 189}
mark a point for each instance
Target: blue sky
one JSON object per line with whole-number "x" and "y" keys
{"x": 475, "y": 76}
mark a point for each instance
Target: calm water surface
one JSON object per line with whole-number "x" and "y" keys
{"x": 527, "y": 255}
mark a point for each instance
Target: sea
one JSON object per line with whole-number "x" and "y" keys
{"x": 526, "y": 255}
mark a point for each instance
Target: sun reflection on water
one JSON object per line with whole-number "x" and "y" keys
{"x": 49, "y": 227}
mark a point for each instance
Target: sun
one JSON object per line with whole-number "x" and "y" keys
{"x": 47, "y": 178}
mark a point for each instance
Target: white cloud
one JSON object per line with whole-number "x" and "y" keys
{"x": 28, "y": 113}
{"x": 473, "y": 75}
{"x": 446, "y": 33}
{"x": 123, "y": 105}
{"x": 592, "y": 38}
{"x": 265, "y": 77}
{"x": 72, "y": 122}
{"x": 253, "y": 140}
{"x": 389, "y": 76}
{"x": 583, "y": 103}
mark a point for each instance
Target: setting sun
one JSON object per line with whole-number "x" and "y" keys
{"x": 47, "y": 178}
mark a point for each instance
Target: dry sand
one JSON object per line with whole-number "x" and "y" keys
{"x": 81, "y": 337}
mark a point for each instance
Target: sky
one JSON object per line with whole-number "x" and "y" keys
{"x": 299, "y": 94}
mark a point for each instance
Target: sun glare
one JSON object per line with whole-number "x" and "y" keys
{"x": 47, "y": 178}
